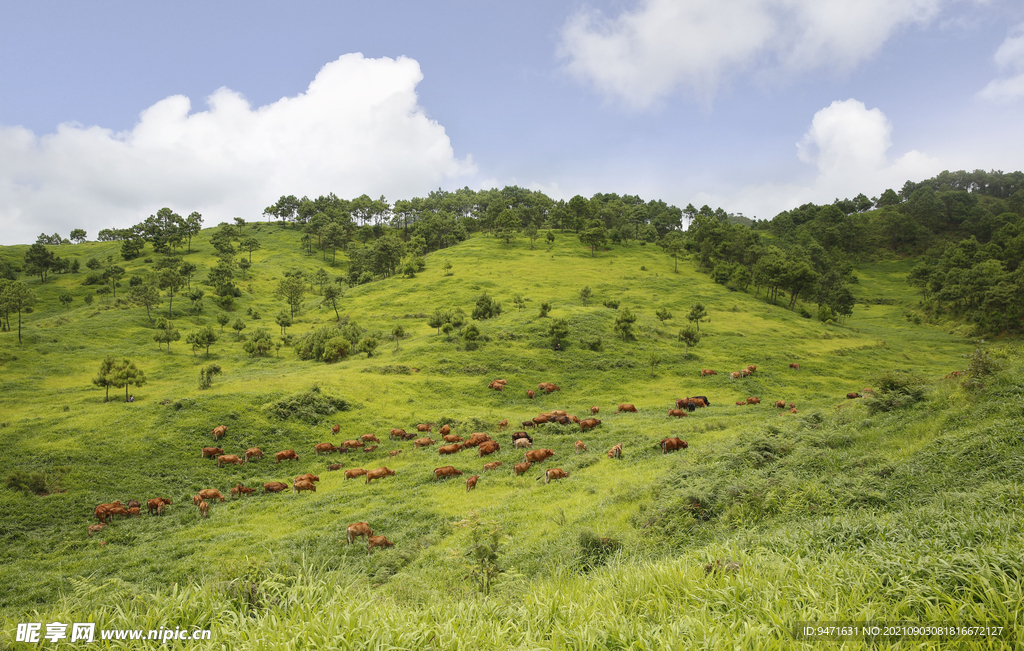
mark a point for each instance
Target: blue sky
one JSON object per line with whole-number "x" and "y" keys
{"x": 110, "y": 111}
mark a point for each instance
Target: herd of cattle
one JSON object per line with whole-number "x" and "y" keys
{"x": 453, "y": 444}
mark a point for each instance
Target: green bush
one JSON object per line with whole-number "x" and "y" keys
{"x": 30, "y": 482}
{"x": 896, "y": 390}
{"x": 310, "y": 406}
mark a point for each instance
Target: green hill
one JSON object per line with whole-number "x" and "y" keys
{"x": 903, "y": 507}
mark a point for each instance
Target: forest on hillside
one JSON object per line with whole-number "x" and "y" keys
{"x": 966, "y": 228}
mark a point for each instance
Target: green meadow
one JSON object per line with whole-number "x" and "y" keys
{"x": 841, "y": 512}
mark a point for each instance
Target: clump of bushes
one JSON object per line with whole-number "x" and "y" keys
{"x": 896, "y": 390}
{"x": 31, "y": 482}
{"x": 310, "y": 406}
{"x": 594, "y": 550}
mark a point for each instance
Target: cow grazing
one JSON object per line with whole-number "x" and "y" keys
{"x": 423, "y": 427}
{"x": 520, "y": 468}
{"x": 253, "y": 453}
{"x": 522, "y": 444}
{"x": 792, "y": 410}
{"x": 95, "y": 528}
{"x": 397, "y": 434}
{"x": 554, "y": 473}
{"x": 488, "y": 447}
{"x": 615, "y": 452}
{"x": 536, "y": 456}
{"x": 133, "y": 504}
{"x": 794, "y": 366}
{"x": 325, "y": 448}
{"x": 334, "y": 466}
{"x": 477, "y": 439}
{"x": 229, "y": 458}
{"x": 378, "y": 541}
{"x": 580, "y": 447}
{"x": 551, "y": 388}
{"x": 792, "y": 405}
{"x": 744, "y": 372}
{"x": 626, "y": 407}
{"x": 156, "y": 504}
{"x": 423, "y": 442}
{"x": 589, "y": 423}
{"x": 452, "y": 438}
{"x": 286, "y": 454}
{"x": 274, "y": 487}
{"x": 394, "y": 452}
{"x": 449, "y": 449}
{"x": 780, "y": 404}
{"x": 704, "y": 372}
{"x": 735, "y": 375}
{"x": 678, "y": 413}
{"x": 503, "y": 424}
{"x": 378, "y": 473}
{"x": 527, "y": 423}
{"x": 497, "y": 386}
{"x": 753, "y": 400}
{"x": 211, "y": 494}
{"x": 853, "y": 395}
{"x": 491, "y": 466}
{"x": 446, "y": 471}
{"x": 672, "y": 444}
{"x": 521, "y": 435}
{"x": 135, "y": 511}
{"x": 445, "y": 430}
{"x": 209, "y": 453}
{"x": 219, "y": 431}
{"x": 741, "y": 403}
{"x": 530, "y": 394}
{"x": 354, "y": 443}
{"x": 204, "y": 509}
{"x": 303, "y": 485}
{"x": 367, "y": 438}
{"x": 752, "y": 368}
{"x": 352, "y": 473}
{"x": 540, "y": 420}
{"x": 594, "y": 410}
{"x": 701, "y": 401}
{"x": 308, "y": 477}
{"x": 471, "y": 482}
{"x": 335, "y": 429}
{"x": 356, "y": 530}
{"x": 240, "y": 490}
{"x": 370, "y": 448}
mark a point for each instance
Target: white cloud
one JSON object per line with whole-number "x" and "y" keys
{"x": 1009, "y": 57}
{"x": 356, "y": 129}
{"x": 662, "y": 46}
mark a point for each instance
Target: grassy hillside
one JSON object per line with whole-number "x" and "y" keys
{"x": 835, "y": 513}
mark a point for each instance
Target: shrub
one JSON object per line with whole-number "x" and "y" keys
{"x": 30, "y": 482}
{"x": 486, "y": 307}
{"x": 206, "y": 375}
{"x": 594, "y": 550}
{"x": 896, "y": 390}
{"x": 259, "y": 344}
{"x": 592, "y": 343}
{"x": 310, "y": 406}
{"x": 612, "y": 304}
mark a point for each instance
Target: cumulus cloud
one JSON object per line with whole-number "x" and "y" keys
{"x": 1010, "y": 58}
{"x": 662, "y": 46}
{"x": 358, "y": 128}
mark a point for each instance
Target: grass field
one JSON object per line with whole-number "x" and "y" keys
{"x": 834, "y": 513}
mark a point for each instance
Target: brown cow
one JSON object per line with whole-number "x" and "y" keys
{"x": 286, "y": 454}
{"x": 536, "y": 456}
{"x": 615, "y": 452}
{"x": 352, "y": 473}
{"x": 626, "y": 407}
{"x": 580, "y": 447}
{"x": 135, "y": 511}
{"x": 752, "y": 368}
{"x": 204, "y": 509}
{"x": 370, "y": 448}
{"x": 253, "y": 453}
{"x": 792, "y": 405}
{"x": 241, "y": 490}
{"x": 520, "y": 468}
{"x": 378, "y": 541}
{"x": 558, "y": 412}
{"x": 503, "y": 424}
{"x": 426, "y": 440}
{"x": 672, "y": 444}
{"x": 334, "y": 466}
{"x": 706, "y": 371}
{"x": 554, "y": 473}
{"x": 741, "y": 403}
{"x": 549, "y": 387}
{"x": 491, "y": 466}
{"x": 589, "y": 423}
{"x": 445, "y": 430}
{"x": 308, "y": 477}
{"x": 95, "y": 528}
{"x": 211, "y": 494}
{"x": 209, "y": 453}
{"x": 394, "y": 452}
{"x": 366, "y": 438}
{"x": 357, "y": 529}
{"x": 446, "y": 471}
{"x": 753, "y": 400}
{"x": 326, "y": 448}
{"x": 678, "y": 413}
{"x": 795, "y": 366}
{"x": 379, "y": 473}
{"x": 793, "y": 410}
{"x": 397, "y": 434}
{"x": 477, "y": 439}
{"x": 780, "y": 404}
{"x": 735, "y": 375}
{"x": 853, "y": 395}
{"x": 354, "y": 443}
{"x": 229, "y": 458}
{"x": 134, "y": 504}
{"x": 449, "y": 449}
{"x": 303, "y": 485}
{"x": 335, "y": 429}
{"x": 423, "y": 427}
{"x": 489, "y": 447}
{"x": 497, "y": 386}
{"x": 522, "y": 444}
{"x": 452, "y": 438}
{"x": 219, "y": 431}
{"x": 530, "y": 394}
{"x": 274, "y": 487}
{"x": 594, "y": 410}
{"x": 540, "y": 420}
{"x": 156, "y": 504}
{"x": 527, "y": 423}
{"x": 745, "y": 372}
{"x": 471, "y": 482}
{"x": 521, "y": 435}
